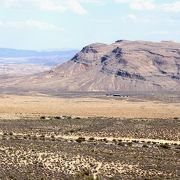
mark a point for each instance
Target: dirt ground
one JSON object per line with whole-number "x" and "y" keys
{"x": 89, "y": 148}
{"x": 39, "y": 139}
{"x": 13, "y": 107}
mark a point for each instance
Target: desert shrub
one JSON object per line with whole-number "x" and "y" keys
{"x": 135, "y": 141}
{"x": 11, "y": 177}
{"x": 176, "y": 118}
{"x": 34, "y": 138}
{"x": 91, "y": 139}
{"x": 11, "y": 137}
{"x": 5, "y": 133}
{"x": 105, "y": 140}
{"x": 57, "y": 117}
{"x": 72, "y": 131}
{"x": 80, "y": 140}
{"x": 40, "y": 165}
{"x": 32, "y": 150}
{"x": 86, "y": 174}
{"x": 129, "y": 143}
{"x": 3, "y": 137}
{"x": 68, "y": 117}
{"x": 177, "y": 147}
{"x": 11, "y": 133}
{"x": 42, "y": 137}
{"x": 53, "y": 138}
{"x": 77, "y": 118}
{"x": 42, "y": 117}
{"x": 28, "y": 136}
{"x": 145, "y": 146}
{"x": 165, "y": 146}
{"x": 121, "y": 144}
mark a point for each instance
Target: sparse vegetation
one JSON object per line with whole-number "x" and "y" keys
{"x": 83, "y": 149}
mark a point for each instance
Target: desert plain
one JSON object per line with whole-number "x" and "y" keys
{"x": 89, "y": 137}
{"x": 15, "y": 106}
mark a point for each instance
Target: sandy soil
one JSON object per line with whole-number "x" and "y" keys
{"x": 110, "y": 139}
{"x": 12, "y": 107}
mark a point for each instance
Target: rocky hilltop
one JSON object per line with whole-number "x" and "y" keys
{"x": 121, "y": 66}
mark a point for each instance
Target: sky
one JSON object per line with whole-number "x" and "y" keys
{"x": 56, "y": 24}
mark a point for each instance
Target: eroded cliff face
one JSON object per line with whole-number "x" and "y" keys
{"x": 121, "y": 66}
{"x": 128, "y": 59}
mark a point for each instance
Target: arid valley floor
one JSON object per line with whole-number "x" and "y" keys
{"x": 46, "y": 137}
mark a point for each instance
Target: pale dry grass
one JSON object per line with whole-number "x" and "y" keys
{"x": 12, "y": 106}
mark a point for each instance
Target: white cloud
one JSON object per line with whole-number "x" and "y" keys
{"x": 172, "y": 7}
{"x": 139, "y": 4}
{"x": 142, "y": 5}
{"x": 30, "y": 24}
{"x": 94, "y": 2}
{"x": 46, "y": 5}
{"x": 51, "y": 5}
{"x": 122, "y": 1}
{"x": 1, "y": 23}
{"x": 100, "y": 20}
{"x": 135, "y": 18}
{"x": 129, "y": 17}
{"x": 132, "y": 16}
{"x": 76, "y": 7}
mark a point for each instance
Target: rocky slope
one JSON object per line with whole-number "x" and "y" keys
{"x": 121, "y": 66}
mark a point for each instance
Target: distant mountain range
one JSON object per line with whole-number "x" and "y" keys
{"x": 121, "y": 66}
{"x": 50, "y": 58}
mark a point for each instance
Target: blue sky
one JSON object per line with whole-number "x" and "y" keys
{"x": 55, "y": 24}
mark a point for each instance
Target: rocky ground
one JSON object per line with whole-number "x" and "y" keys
{"x": 91, "y": 148}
